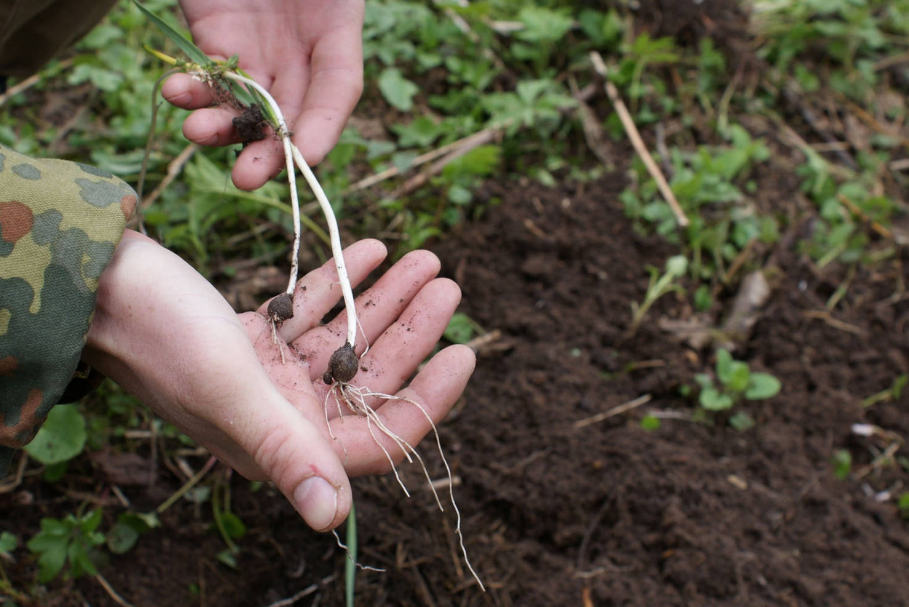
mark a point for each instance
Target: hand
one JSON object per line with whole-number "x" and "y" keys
{"x": 166, "y": 335}
{"x": 307, "y": 53}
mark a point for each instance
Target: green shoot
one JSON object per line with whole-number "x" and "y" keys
{"x": 735, "y": 382}
{"x": 350, "y": 565}
{"x": 72, "y": 539}
{"x": 676, "y": 266}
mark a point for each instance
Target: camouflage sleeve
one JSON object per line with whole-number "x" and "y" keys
{"x": 59, "y": 225}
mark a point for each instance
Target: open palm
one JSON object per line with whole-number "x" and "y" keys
{"x": 165, "y": 334}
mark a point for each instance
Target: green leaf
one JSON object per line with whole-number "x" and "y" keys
{"x": 51, "y": 561}
{"x": 90, "y": 521}
{"x": 714, "y": 400}
{"x": 739, "y": 377}
{"x": 898, "y": 384}
{"x": 741, "y": 421}
{"x": 903, "y": 505}
{"x": 842, "y": 463}
{"x": 61, "y": 438}
{"x": 397, "y": 90}
{"x": 724, "y": 363}
{"x": 762, "y": 385}
{"x": 650, "y": 423}
{"x": 677, "y": 265}
{"x": 461, "y": 329}
{"x": 227, "y": 557}
{"x": 233, "y": 526}
{"x": 543, "y": 24}
{"x": 121, "y": 538}
{"x": 192, "y": 51}
{"x": 481, "y": 161}
{"x": 8, "y": 542}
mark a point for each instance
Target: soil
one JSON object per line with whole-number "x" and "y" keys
{"x": 602, "y": 514}
{"x": 560, "y": 509}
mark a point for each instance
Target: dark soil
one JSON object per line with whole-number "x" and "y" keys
{"x": 607, "y": 513}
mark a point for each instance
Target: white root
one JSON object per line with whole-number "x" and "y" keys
{"x": 359, "y": 405}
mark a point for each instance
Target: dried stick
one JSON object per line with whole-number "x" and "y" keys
{"x": 111, "y": 592}
{"x": 173, "y": 170}
{"x": 467, "y": 144}
{"x": 628, "y": 122}
{"x": 28, "y": 83}
{"x": 632, "y": 404}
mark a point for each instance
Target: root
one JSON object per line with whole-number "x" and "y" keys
{"x": 355, "y": 399}
{"x": 350, "y": 557}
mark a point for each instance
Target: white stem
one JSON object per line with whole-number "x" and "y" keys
{"x": 292, "y": 153}
{"x": 336, "y": 249}
{"x": 284, "y": 132}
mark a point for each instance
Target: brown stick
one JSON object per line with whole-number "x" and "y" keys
{"x": 632, "y": 404}
{"x": 468, "y": 144}
{"x": 881, "y": 230}
{"x": 111, "y": 592}
{"x": 28, "y": 83}
{"x": 628, "y": 122}
{"x": 173, "y": 170}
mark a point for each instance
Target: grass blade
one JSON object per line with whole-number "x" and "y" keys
{"x": 192, "y": 51}
{"x": 350, "y": 565}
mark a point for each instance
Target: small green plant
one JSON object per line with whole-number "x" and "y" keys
{"x": 890, "y": 394}
{"x": 650, "y": 423}
{"x": 73, "y": 539}
{"x": 8, "y": 543}
{"x": 735, "y": 381}
{"x": 903, "y": 505}
{"x": 676, "y": 266}
{"x": 842, "y": 463}
{"x": 707, "y": 184}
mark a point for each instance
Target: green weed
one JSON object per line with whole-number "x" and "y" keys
{"x": 734, "y": 382}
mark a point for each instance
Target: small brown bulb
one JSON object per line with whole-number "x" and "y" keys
{"x": 343, "y": 365}
{"x": 281, "y": 308}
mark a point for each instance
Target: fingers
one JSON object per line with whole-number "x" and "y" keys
{"x": 184, "y": 91}
{"x": 335, "y": 86}
{"x": 211, "y": 126}
{"x": 318, "y": 292}
{"x": 293, "y": 453}
{"x": 405, "y": 344}
{"x": 436, "y": 389}
{"x": 377, "y": 308}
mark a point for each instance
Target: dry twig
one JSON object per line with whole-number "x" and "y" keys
{"x": 173, "y": 170}
{"x": 28, "y": 83}
{"x": 632, "y": 404}
{"x": 628, "y": 122}
{"x": 111, "y": 592}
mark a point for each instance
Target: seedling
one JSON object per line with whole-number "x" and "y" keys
{"x": 676, "y": 266}
{"x": 71, "y": 539}
{"x": 736, "y": 382}
{"x": 842, "y": 463}
{"x": 903, "y": 505}
{"x": 8, "y": 543}
{"x": 258, "y": 111}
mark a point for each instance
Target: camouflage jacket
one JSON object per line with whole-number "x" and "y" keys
{"x": 59, "y": 225}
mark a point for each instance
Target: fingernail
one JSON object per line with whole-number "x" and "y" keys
{"x": 317, "y": 502}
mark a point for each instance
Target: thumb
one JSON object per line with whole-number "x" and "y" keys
{"x": 290, "y": 450}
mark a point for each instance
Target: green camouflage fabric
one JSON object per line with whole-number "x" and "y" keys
{"x": 59, "y": 225}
